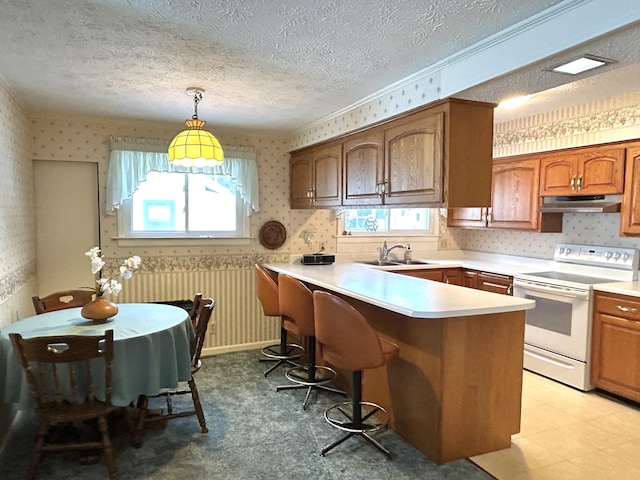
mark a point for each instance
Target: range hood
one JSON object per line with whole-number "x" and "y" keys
{"x": 581, "y": 204}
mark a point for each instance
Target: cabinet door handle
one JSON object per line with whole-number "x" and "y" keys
{"x": 496, "y": 285}
{"x": 385, "y": 187}
{"x": 579, "y": 183}
{"x": 489, "y": 216}
{"x": 379, "y": 189}
{"x": 510, "y": 290}
{"x": 627, "y": 309}
{"x": 573, "y": 182}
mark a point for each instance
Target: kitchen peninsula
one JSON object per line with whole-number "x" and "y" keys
{"x": 455, "y": 390}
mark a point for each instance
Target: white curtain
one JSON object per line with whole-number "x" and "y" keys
{"x": 132, "y": 158}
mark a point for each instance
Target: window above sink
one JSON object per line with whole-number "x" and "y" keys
{"x": 386, "y": 221}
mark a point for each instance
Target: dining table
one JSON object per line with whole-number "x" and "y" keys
{"x": 151, "y": 349}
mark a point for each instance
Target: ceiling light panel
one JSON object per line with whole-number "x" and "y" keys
{"x": 582, "y": 64}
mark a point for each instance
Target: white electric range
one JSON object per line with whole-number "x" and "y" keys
{"x": 558, "y": 329}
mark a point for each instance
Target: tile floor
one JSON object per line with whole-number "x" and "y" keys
{"x": 567, "y": 434}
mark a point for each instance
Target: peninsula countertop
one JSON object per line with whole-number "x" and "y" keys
{"x": 413, "y": 297}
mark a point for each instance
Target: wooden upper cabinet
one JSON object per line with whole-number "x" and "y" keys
{"x": 414, "y": 157}
{"x": 589, "y": 171}
{"x": 437, "y": 155}
{"x": 363, "y": 162}
{"x": 467, "y": 217}
{"x": 514, "y": 195}
{"x": 514, "y": 200}
{"x": 601, "y": 171}
{"x": 327, "y": 175}
{"x": 300, "y": 180}
{"x": 558, "y": 174}
{"x": 316, "y": 177}
{"x": 630, "y": 212}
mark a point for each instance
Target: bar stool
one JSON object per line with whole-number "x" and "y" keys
{"x": 296, "y": 308}
{"x": 346, "y": 340}
{"x": 282, "y": 353}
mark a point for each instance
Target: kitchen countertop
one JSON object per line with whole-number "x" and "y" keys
{"x": 486, "y": 262}
{"x": 508, "y": 265}
{"x": 621, "y": 288}
{"x": 406, "y": 295}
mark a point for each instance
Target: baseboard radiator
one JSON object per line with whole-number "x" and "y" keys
{"x": 237, "y": 322}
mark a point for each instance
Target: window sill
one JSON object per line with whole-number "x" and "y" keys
{"x": 387, "y": 235}
{"x": 180, "y": 241}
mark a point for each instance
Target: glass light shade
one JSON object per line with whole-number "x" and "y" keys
{"x": 195, "y": 147}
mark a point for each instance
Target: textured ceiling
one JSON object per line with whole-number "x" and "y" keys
{"x": 267, "y": 65}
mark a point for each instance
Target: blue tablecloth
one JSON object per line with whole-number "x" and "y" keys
{"x": 151, "y": 349}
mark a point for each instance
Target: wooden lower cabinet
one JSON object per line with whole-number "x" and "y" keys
{"x": 496, "y": 283}
{"x": 490, "y": 282}
{"x": 452, "y": 276}
{"x": 615, "y": 348}
{"x": 435, "y": 274}
{"x": 470, "y": 278}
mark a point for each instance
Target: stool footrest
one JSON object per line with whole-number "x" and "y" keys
{"x": 316, "y": 377}
{"x": 373, "y": 417}
{"x": 281, "y": 356}
{"x": 341, "y": 416}
{"x": 275, "y": 352}
{"x": 302, "y": 376}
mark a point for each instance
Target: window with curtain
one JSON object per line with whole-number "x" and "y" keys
{"x": 158, "y": 200}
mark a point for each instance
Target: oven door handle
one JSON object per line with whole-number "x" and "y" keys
{"x": 555, "y": 291}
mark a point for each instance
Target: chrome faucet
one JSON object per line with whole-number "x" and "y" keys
{"x": 384, "y": 251}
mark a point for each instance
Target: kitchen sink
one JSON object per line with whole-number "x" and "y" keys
{"x": 379, "y": 263}
{"x": 412, "y": 262}
{"x": 393, "y": 263}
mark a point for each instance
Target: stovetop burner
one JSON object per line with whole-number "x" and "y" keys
{"x": 570, "y": 277}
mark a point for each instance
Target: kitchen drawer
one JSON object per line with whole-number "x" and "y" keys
{"x": 618, "y": 305}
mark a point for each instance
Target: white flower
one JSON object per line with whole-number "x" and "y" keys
{"x": 96, "y": 262}
{"x": 111, "y": 286}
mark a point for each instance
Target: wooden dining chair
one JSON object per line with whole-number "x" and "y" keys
{"x": 61, "y": 300}
{"x": 201, "y": 322}
{"x": 198, "y": 301}
{"x": 70, "y": 380}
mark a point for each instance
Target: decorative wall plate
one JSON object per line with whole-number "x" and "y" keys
{"x": 272, "y": 235}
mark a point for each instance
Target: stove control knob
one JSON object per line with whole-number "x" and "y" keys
{"x": 561, "y": 250}
{"x": 616, "y": 255}
{"x": 567, "y": 251}
{"x": 625, "y": 256}
{"x": 608, "y": 255}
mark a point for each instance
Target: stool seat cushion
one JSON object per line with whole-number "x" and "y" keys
{"x": 296, "y": 306}
{"x": 345, "y": 338}
{"x": 267, "y": 290}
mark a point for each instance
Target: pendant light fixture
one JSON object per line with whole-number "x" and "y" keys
{"x": 195, "y": 147}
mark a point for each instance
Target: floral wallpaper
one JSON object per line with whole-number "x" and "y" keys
{"x": 58, "y": 137}
{"x": 87, "y": 139}
{"x": 604, "y": 121}
{"x": 17, "y": 223}
{"x": 607, "y": 121}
